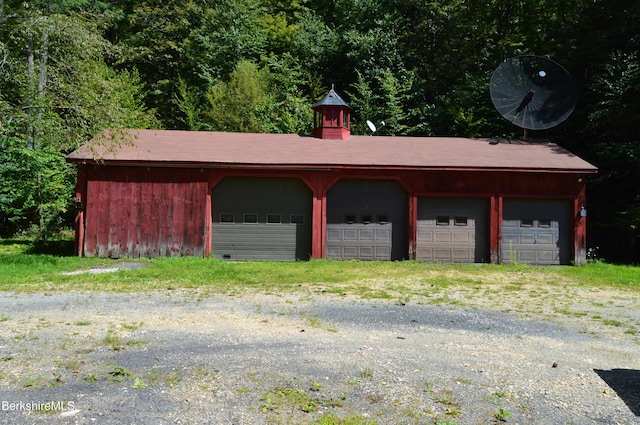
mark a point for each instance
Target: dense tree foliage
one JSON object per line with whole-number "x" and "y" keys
{"x": 70, "y": 68}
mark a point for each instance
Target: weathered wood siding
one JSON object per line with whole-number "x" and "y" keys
{"x": 134, "y": 211}
{"x": 145, "y": 212}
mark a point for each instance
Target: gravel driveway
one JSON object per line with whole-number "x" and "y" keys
{"x": 181, "y": 358}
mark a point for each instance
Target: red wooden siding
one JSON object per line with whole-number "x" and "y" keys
{"x": 145, "y": 212}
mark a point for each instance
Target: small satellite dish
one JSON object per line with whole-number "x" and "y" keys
{"x": 533, "y": 92}
{"x": 372, "y": 126}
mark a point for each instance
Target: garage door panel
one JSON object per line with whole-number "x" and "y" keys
{"x": 334, "y": 235}
{"x": 453, "y": 230}
{"x": 526, "y": 239}
{"x": 366, "y": 252}
{"x": 547, "y": 239}
{"x": 382, "y": 252}
{"x": 350, "y": 252}
{"x": 424, "y": 236}
{"x": 334, "y": 252}
{"x": 349, "y": 235}
{"x": 443, "y": 237}
{"x": 464, "y": 238}
{"x": 461, "y": 254}
{"x": 383, "y": 235}
{"x": 443, "y": 254}
{"x": 526, "y": 255}
{"x": 366, "y": 235}
{"x": 544, "y": 257}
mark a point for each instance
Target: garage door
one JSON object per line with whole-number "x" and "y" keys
{"x": 453, "y": 230}
{"x": 536, "y": 231}
{"x": 261, "y": 219}
{"x": 366, "y": 220}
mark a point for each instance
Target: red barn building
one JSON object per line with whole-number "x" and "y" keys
{"x": 241, "y": 196}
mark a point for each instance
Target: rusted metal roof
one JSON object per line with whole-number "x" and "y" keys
{"x": 290, "y": 151}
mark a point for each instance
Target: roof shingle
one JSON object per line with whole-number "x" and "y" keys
{"x": 184, "y": 148}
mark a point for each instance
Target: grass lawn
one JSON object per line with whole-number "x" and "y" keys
{"x": 24, "y": 270}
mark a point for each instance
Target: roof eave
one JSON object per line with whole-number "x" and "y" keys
{"x": 302, "y": 166}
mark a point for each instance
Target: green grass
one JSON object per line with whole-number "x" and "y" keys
{"x": 23, "y": 270}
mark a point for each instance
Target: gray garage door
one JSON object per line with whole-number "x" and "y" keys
{"x": 536, "y": 231}
{"x": 261, "y": 219}
{"x": 453, "y": 230}
{"x": 367, "y": 220}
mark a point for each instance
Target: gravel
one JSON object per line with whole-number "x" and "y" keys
{"x": 183, "y": 358}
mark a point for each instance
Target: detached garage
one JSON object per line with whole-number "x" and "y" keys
{"x": 289, "y": 197}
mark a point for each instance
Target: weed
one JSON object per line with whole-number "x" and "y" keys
{"x": 118, "y": 374}
{"x": 428, "y": 387}
{"x": 290, "y": 398}
{"x": 4, "y": 317}
{"x": 172, "y": 379}
{"x": 331, "y": 418}
{"x": 111, "y": 338}
{"x": 446, "y": 397}
{"x": 501, "y": 415}
{"x": 153, "y": 377}
{"x": 314, "y": 322}
{"x": 243, "y": 390}
{"x": 82, "y": 323}
{"x": 133, "y": 342}
{"x": 132, "y": 326}
{"x": 611, "y": 322}
{"x": 72, "y": 365}
{"x": 366, "y": 373}
{"x": 138, "y": 383}
{"x": 452, "y": 411}
{"x": 33, "y": 382}
{"x": 91, "y": 378}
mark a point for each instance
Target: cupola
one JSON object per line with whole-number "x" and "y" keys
{"x": 332, "y": 117}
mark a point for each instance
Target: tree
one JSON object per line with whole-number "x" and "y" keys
{"x": 239, "y": 105}
{"x": 614, "y": 116}
{"x": 198, "y": 42}
{"x": 56, "y": 92}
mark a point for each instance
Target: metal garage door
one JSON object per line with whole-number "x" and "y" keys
{"x": 261, "y": 219}
{"x": 367, "y": 220}
{"x": 536, "y": 231}
{"x": 453, "y": 230}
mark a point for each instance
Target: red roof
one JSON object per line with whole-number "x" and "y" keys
{"x": 208, "y": 149}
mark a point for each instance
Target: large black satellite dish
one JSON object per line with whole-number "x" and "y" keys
{"x": 533, "y": 92}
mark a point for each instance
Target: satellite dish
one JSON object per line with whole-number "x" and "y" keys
{"x": 371, "y": 126}
{"x": 533, "y": 92}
